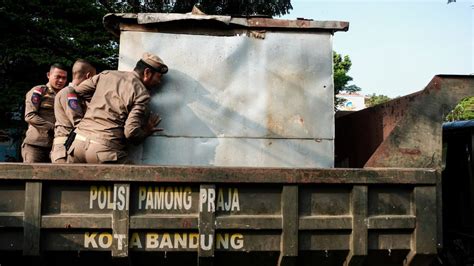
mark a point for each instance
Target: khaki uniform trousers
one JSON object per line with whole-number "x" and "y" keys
{"x": 84, "y": 150}
{"x": 35, "y": 154}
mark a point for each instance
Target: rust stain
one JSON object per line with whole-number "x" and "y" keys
{"x": 303, "y": 23}
{"x": 186, "y": 224}
{"x": 410, "y": 151}
{"x": 435, "y": 84}
{"x": 265, "y": 22}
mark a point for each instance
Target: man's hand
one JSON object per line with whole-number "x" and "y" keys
{"x": 151, "y": 124}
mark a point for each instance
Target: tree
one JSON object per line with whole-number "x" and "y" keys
{"x": 374, "y": 99}
{"x": 37, "y": 33}
{"x": 463, "y": 111}
{"x": 213, "y": 7}
{"x": 342, "y": 65}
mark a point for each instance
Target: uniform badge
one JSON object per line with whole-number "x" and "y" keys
{"x": 72, "y": 101}
{"x": 36, "y": 97}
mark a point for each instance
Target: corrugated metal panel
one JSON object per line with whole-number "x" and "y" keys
{"x": 238, "y": 87}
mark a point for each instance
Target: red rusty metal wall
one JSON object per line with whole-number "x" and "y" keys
{"x": 405, "y": 132}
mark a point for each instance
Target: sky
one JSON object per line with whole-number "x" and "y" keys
{"x": 397, "y": 46}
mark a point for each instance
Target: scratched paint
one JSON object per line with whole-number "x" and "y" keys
{"x": 239, "y": 101}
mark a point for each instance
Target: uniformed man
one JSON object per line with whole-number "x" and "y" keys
{"x": 68, "y": 109}
{"x": 115, "y": 114}
{"x": 39, "y": 114}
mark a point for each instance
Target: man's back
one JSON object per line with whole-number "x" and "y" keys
{"x": 117, "y": 108}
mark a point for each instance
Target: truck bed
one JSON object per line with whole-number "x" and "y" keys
{"x": 215, "y": 215}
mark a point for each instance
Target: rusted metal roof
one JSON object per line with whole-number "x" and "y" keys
{"x": 112, "y": 22}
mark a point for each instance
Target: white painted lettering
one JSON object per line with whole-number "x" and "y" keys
{"x": 193, "y": 240}
{"x": 220, "y": 200}
{"x": 141, "y": 196}
{"x": 127, "y": 197}
{"x": 211, "y": 200}
{"x": 237, "y": 241}
{"x": 229, "y": 196}
{"x": 120, "y": 205}
{"x": 102, "y": 198}
{"x": 151, "y": 240}
{"x": 149, "y": 199}
{"x": 210, "y": 242}
{"x": 135, "y": 241}
{"x": 202, "y": 198}
{"x": 159, "y": 198}
{"x": 120, "y": 240}
{"x": 92, "y": 196}
{"x": 105, "y": 240}
{"x": 181, "y": 240}
{"x": 89, "y": 239}
{"x": 187, "y": 198}
{"x": 169, "y": 198}
{"x": 207, "y": 196}
{"x": 166, "y": 241}
{"x": 222, "y": 241}
{"x": 235, "y": 200}
{"x": 178, "y": 198}
{"x": 110, "y": 204}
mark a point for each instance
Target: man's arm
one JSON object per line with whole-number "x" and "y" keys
{"x": 74, "y": 111}
{"x": 133, "y": 129}
{"x": 87, "y": 88}
{"x": 32, "y": 104}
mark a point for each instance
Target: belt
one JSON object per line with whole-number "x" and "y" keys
{"x": 59, "y": 140}
{"x": 94, "y": 140}
{"x": 84, "y": 138}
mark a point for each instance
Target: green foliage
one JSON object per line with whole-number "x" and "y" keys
{"x": 212, "y": 7}
{"x": 374, "y": 99}
{"x": 342, "y": 65}
{"x": 463, "y": 111}
{"x": 38, "y": 33}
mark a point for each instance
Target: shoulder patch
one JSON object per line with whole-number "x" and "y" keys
{"x": 37, "y": 95}
{"x": 39, "y": 90}
{"x": 36, "y": 99}
{"x": 72, "y": 101}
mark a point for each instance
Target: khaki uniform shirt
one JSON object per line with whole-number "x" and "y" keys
{"x": 118, "y": 103}
{"x": 39, "y": 114}
{"x": 67, "y": 110}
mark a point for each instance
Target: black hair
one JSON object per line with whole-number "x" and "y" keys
{"x": 81, "y": 67}
{"x": 59, "y": 66}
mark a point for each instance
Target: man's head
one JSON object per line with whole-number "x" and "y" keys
{"x": 82, "y": 70}
{"x": 57, "y": 76}
{"x": 150, "y": 68}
